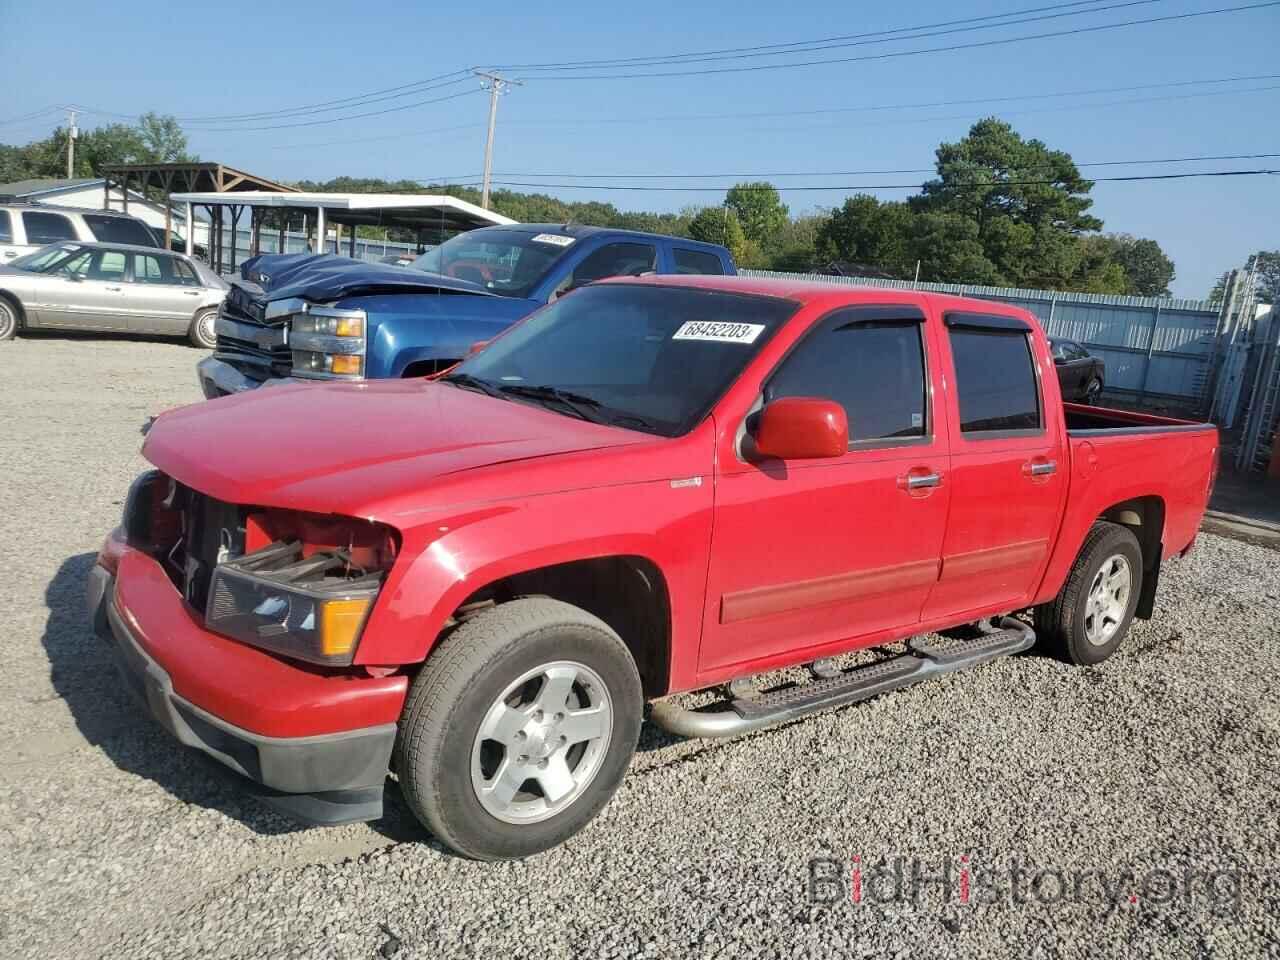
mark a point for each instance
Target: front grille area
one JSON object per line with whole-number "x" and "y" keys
{"x": 259, "y": 345}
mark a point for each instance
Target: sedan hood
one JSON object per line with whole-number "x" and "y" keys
{"x": 325, "y": 277}
{"x": 349, "y": 447}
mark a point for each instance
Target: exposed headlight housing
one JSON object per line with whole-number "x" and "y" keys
{"x": 328, "y": 343}
{"x": 310, "y": 607}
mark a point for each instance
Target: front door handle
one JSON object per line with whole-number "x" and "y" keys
{"x": 919, "y": 481}
{"x": 1040, "y": 468}
{"x": 191, "y": 293}
{"x": 113, "y": 289}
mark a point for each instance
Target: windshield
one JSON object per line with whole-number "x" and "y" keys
{"x": 651, "y": 358}
{"x": 506, "y": 262}
{"x": 46, "y": 259}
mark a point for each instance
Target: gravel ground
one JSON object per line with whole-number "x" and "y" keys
{"x": 1157, "y": 772}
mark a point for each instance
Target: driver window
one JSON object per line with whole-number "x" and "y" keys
{"x": 77, "y": 266}
{"x": 611, "y": 260}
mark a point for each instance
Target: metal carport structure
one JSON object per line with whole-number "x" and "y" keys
{"x": 436, "y": 216}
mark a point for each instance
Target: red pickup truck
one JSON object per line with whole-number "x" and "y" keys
{"x": 650, "y": 486}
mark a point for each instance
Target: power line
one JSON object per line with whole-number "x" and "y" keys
{"x": 990, "y": 185}
{"x": 33, "y": 115}
{"x": 353, "y": 116}
{"x": 978, "y": 44}
{"x": 673, "y": 57}
{"x": 866, "y": 173}
{"x": 967, "y": 25}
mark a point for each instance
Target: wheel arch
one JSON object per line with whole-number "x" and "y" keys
{"x": 1144, "y": 518}
{"x": 627, "y": 591}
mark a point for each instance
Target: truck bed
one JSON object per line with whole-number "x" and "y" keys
{"x": 1085, "y": 421}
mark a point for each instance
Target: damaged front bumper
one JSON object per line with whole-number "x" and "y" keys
{"x": 197, "y": 685}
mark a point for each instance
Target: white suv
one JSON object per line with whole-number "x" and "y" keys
{"x": 26, "y": 227}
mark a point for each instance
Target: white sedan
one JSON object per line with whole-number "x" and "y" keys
{"x": 109, "y": 286}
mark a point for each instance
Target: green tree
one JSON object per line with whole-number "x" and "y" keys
{"x": 1020, "y": 195}
{"x": 1145, "y": 269}
{"x": 950, "y": 250}
{"x": 760, "y": 210}
{"x": 868, "y": 232}
{"x": 156, "y": 139}
{"x": 720, "y": 225}
{"x": 795, "y": 246}
{"x": 1267, "y": 263}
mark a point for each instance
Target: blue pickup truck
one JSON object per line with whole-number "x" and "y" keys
{"x": 332, "y": 318}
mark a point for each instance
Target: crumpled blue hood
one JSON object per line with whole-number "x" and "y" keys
{"x": 323, "y": 277}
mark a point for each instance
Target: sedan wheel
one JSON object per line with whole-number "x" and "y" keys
{"x": 202, "y": 330}
{"x": 1093, "y": 392}
{"x": 8, "y": 321}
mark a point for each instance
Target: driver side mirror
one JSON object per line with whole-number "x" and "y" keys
{"x": 476, "y": 347}
{"x": 74, "y": 277}
{"x": 802, "y": 428}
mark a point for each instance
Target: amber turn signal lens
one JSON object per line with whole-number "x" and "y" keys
{"x": 340, "y": 623}
{"x": 349, "y": 327}
{"x": 346, "y": 363}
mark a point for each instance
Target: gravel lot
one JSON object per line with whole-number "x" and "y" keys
{"x": 1158, "y": 771}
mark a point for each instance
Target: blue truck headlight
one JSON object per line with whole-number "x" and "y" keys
{"x": 328, "y": 343}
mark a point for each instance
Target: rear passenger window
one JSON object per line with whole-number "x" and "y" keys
{"x": 698, "y": 261}
{"x": 113, "y": 229}
{"x": 995, "y": 380}
{"x": 874, "y": 368}
{"x": 6, "y": 227}
{"x": 45, "y": 228}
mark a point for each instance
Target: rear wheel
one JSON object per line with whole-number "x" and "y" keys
{"x": 519, "y": 729}
{"x": 1086, "y": 621}
{"x": 8, "y": 320}
{"x": 202, "y": 333}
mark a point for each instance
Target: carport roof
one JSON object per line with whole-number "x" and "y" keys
{"x": 366, "y": 209}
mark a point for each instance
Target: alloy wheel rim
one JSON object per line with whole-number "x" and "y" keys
{"x": 206, "y": 329}
{"x": 1094, "y": 391}
{"x": 1108, "y": 600}
{"x": 541, "y": 743}
{"x": 7, "y": 321}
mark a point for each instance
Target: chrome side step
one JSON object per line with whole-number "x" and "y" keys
{"x": 925, "y": 658}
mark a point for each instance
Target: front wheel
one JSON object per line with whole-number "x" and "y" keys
{"x": 8, "y": 320}
{"x": 1086, "y": 621}
{"x": 1093, "y": 392}
{"x": 519, "y": 729}
{"x": 202, "y": 333}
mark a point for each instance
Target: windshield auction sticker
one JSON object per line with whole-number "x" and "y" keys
{"x": 554, "y": 239}
{"x": 719, "y": 331}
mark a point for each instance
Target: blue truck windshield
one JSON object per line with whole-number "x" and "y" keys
{"x": 506, "y": 262}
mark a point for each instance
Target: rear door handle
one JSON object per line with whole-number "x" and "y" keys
{"x": 113, "y": 289}
{"x": 191, "y": 293}
{"x": 1040, "y": 468}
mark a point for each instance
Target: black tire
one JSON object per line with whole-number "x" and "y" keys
{"x": 201, "y": 334}
{"x": 10, "y": 319}
{"x": 461, "y": 682}
{"x": 1063, "y": 624}
{"x": 1093, "y": 392}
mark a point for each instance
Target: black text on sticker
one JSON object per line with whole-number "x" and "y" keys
{"x": 718, "y": 330}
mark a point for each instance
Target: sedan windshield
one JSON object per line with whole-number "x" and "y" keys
{"x": 506, "y": 262}
{"x": 46, "y": 259}
{"x": 651, "y": 358}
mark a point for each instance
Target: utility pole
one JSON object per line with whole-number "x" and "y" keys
{"x": 496, "y": 86}
{"x": 71, "y": 143}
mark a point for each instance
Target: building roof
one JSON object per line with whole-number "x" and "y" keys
{"x": 194, "y": 175}
{"x": 28, "y": 188}
{"x": 370, "y": 209}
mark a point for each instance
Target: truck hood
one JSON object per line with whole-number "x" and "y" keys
{"x": 349, "y": 447}
{"x": 324, "y": 277}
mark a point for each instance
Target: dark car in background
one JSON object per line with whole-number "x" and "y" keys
{"x": 1081, "y": 375}
{"x": 178, "y": 243}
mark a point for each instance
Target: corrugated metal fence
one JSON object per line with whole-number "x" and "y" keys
{"x": 1157, "y": 351}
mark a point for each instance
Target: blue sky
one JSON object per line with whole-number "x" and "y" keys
{"x": 190, "y": 61}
